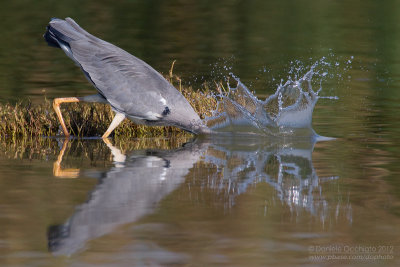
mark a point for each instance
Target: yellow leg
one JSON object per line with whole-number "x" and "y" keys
{"x": 56, "y": 105}
{"x": 119, "y": 117}
{"x": 107, "y": 142}
{"x": 58, "y": 171}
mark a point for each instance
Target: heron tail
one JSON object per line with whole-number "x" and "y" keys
{"x": 60, "y": 33}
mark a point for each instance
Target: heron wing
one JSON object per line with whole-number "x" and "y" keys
{"x": 129, "y": 84}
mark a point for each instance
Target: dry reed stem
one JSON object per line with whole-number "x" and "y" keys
{"x": 25, "y": 120}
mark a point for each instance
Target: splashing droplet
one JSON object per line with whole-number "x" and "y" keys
{"x": 287, "y": 112}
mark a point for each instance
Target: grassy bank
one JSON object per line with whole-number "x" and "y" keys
{"x": 24, "y": 119}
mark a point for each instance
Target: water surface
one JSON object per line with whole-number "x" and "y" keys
{"x": 215, "y": 201}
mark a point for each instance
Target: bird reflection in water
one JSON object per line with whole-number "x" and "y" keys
{"x": 138, "y": 181}
{"x": 285, "y": 164}
{"x": 125, "y": 193}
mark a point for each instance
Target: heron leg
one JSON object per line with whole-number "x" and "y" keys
{"x": 119, "y": 117}
{"x": 118, "y": 157}
{"x": 56, "y": 105}
{"x": 58, "y": 171}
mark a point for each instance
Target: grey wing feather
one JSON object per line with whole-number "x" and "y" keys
{"x": 125, "y": 81}
{"x": 129, "y": 84}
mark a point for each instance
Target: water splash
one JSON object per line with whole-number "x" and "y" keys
{"x": 287, "y": 112}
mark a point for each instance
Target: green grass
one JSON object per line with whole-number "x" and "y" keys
{"x": 25, "y": 120}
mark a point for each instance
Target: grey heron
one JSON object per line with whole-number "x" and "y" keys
{"x": 132, "y": 87}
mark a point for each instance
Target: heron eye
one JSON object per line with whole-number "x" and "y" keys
{"x": 166, "y": 111}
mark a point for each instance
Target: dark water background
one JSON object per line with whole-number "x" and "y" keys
{"x": 234, "y": 202}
